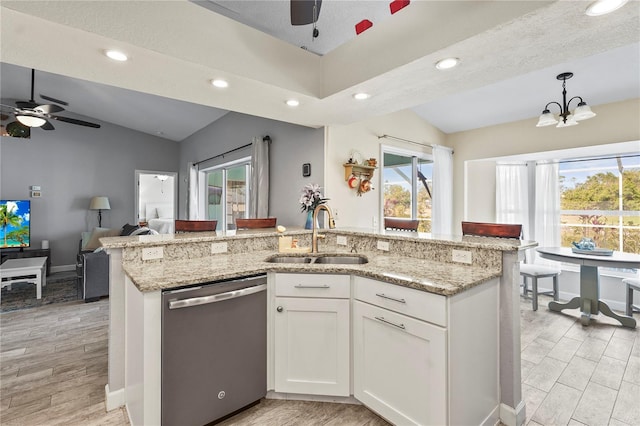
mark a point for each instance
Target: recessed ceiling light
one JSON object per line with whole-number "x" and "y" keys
{"x": 293, "y": 102}
{"x": 602, "y": 7}
{"x": 116, "y": 55}
{"x": 218, "y": 82}
{"x": 361, "y": 96}
{"x": 447, "y": 63}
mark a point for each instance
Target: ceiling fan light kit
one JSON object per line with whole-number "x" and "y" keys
{"x": 582, "y": 111}
{"x": 31, "y": 114}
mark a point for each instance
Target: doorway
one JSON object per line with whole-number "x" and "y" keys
{"x": 156, "y": 200}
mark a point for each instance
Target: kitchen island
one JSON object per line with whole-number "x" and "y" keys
{"x": 421, "y": 264}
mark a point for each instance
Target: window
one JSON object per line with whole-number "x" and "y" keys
{"x": 600, "y": 199}
{"x": 408, "y": 179}
{"x": 226, "y": 190}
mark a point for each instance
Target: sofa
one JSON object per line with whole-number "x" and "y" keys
{"x": 92, "y": 266}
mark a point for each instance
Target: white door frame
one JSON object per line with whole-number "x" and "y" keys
{"x": 174, "y": 175}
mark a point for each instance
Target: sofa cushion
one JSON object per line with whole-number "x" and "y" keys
{"x": 94, "y": 241}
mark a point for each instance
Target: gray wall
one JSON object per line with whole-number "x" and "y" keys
{"x": 292, "y": 146}
{"x": 72, "y": 164}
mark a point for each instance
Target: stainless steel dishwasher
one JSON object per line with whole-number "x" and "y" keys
{"x": 214, "y": 350}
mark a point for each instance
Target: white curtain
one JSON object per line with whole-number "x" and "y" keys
{"x": 260, "y": 178}
{"x": 512, "y": 195}
{"x": 547, "y": 208}
{"x": 442, "y": 209}
{"x": 192, "y": 206}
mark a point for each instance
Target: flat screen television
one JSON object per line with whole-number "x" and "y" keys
{"x": 15, "y": 223}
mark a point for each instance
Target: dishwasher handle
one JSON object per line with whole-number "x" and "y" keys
{"x": 195, "y": 301}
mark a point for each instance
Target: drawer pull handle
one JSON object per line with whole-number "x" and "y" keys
{"x": 390, "y": 323}
{"x": 384, "y": 296}
{"x": 312, "y": 286}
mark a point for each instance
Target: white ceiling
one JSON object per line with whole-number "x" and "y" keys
{"x": 510, "y": 51}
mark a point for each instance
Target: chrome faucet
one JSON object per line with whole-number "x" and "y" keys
{"x": 332, "y": 224}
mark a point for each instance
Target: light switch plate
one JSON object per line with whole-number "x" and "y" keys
{"x": 151, "y": 253}
{"x": 217, "y": 248}
{"x": 383, "y": 245}
{"x": 341, "y": 240}
{"x": 461, "y": 256}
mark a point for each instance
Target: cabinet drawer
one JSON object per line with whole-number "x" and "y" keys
{"x": 313, "y": 285}
{"x": 418, "y": 304}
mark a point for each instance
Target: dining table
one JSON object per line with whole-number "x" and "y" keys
{"x": 589, "y": 301}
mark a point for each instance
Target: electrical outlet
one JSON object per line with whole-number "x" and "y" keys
{"x": 383, "y": 245}
{"x": 461, "y": 256}
{"x": 341, "y": 240}
{"x": 151, "y": 253}
{"x": 218, "y": 248}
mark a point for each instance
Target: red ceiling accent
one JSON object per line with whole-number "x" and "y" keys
{"x": 396, "y": 5}
{"x": 363, "y": 25}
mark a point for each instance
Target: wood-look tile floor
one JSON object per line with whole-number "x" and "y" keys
{"x": 53, "y": 368}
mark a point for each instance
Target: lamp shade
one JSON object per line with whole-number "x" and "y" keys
{"x": 583, "y": 112}
{"x": 571, "y": 121}
{"x": 546, "y": 119}
{"x": 99, "y": 203}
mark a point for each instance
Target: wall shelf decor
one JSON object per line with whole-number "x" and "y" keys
{"x": 358, "y": 176}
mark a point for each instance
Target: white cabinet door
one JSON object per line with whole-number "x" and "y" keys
{"x": 312, "y": 346}
{"x": 400, "y": 367}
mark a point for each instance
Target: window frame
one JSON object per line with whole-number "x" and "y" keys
{"x": 203, "y": 181}
{"x": 415, "y": 157}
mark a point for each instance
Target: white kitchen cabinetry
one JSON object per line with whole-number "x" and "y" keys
{"x": 312, "y": 332}
{"x": 421, "y": 358}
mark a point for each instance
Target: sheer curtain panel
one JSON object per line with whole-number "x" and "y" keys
{"x": 512, "y": 195}
{"x": 547, "y": 208}
{"x": 259, "y": 205}
{"x": 442, "y": 191}
{"x": 192, "y": 206}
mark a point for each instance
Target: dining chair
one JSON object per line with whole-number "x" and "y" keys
{"x": 264, "y": 222}
{"x": 401, "y": 224}
{"x": 632, "y": 284}
{"x": 528, "y": 271}
{"x": 195, "y": 225}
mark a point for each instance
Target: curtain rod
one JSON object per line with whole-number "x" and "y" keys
{"x": 414, "y": 142}
{"x": 267, "y": 139}
{"x": 223, "y": 154}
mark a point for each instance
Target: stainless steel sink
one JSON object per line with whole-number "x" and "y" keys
{"x": 341, "y": 260}
{"x": 325, "y": 260}
{"x": 289, "y": 259}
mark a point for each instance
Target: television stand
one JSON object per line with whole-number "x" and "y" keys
{"x": 26, "y": 252}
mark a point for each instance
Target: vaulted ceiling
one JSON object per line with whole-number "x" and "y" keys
{"x": 510, "y": 52}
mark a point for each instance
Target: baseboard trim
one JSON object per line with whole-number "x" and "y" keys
{"x": 493, "y": 419}
{"x": 314, "y": 398}
{"x": 513, "y": 417}
{"x": 113, "y": 399}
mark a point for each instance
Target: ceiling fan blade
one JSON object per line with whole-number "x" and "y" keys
{"x": 75, "y": 121}
{"x": 48, "y": 109}
{"x": 302, "y": 12}
{"x": 26, "y": 104}
{"x": 50, "y": 99}
{"x": 47, "y": 126}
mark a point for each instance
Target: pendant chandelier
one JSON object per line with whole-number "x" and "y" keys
{"x": 566, "y": 117}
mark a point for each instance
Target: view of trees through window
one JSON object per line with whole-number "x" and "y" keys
{"x": 600, "y": 199}
{"x": 407, "y": 188}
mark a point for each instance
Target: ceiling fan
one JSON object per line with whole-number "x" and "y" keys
{"x": 305, "y": 12}
{"x": 31, "y": 114}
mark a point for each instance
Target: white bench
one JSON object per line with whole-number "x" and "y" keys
{"x": 32, "y": 270}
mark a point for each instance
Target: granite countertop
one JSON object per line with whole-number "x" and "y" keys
{"x": 503, "y": 244}
{"x": 434, "y": 277}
